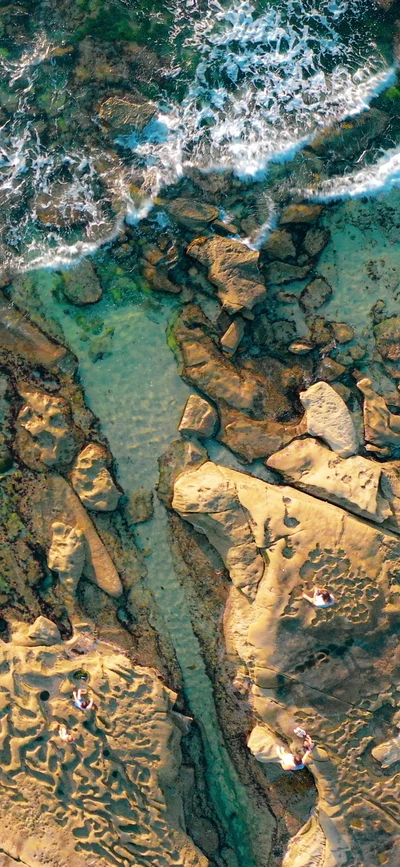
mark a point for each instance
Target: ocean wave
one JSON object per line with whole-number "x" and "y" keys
{"x": 380, "y": 177}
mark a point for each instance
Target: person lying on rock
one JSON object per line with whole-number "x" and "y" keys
{"x": 295, "y": 761}
{"x": 81, "y": 701}
{"x": 321, "y": 598}
{"x": 65, "y": 735}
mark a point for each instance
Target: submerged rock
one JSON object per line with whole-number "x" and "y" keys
{"x": 191, "y": 214}
{"x": 199, "y": 417}
{"x": 315, "y": 241}
{"x": 92, "y": 481}
{"x": 233, "y": 269}
{"x": 315, "y": 294}
{"x": 280, "y": 245}
{"x": 381, "y": 427}
{"x": 123, "y": 113}
{"x": 349, "y": 482}
{"x": 81, "y": 284}
{"x": 279, "y": 273}
{"x": 24, "y": 340}
{"x": 140, "y": 506}
{"x": 342, "y": 332}
{"x": 300, "y": 214}
{"x": 327, "y": 417}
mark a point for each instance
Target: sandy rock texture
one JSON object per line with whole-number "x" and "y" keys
{"x": 92, "y": 481}
{"x": 199, "y": 417}
{"x": 23, "y": 339}
{"x": 327, "y": 417}
{"x": 47, "y": 420}
{"x": 233, "y": 269}
{"x": 335, "y": 671}
{"x": 112, "y": 794}
{"x": 81, "y": 284}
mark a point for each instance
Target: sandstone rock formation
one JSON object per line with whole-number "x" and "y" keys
{"x": 350, "y": 482}
{"x": 233, "y": 336}
{"x": 327, "y": 417}
{"x": 252, "y": 438}
{"x": 315, "y": 294}
{"x": 280, "y": 245}
{"x": 190, "y": 214}
{"x": 233, "y": 269}
{"x": 199, "y": 417}
{"x": 67, "y": 555}
{"x": 387, "y": 753}
{"x": 111, "y": 795}
{"x": 81, "y": 284}
{"x": 92, "y": 481}
{"x": 311, "y": 667}
{"x": 47, "y": 419}
{"x": 300, "y": 214}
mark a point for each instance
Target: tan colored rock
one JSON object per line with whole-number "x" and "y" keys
{"x": 352, "y": 483}
{"x": 252, "y": 439}
{"x": 315, "y": 241}
{"x": 387, "y": 753}
{"x": 25, "y": 340}
{"x": 326, "y": 670}
{"x": 301, "y": 346}
{"x": 280, "y": 245}
{"x": 47, "y": 419}
{"x": 208, "y": 499}
{"x": 199, "y": 417}
{"x": 315, "y": 294}
{"x": 233, "y": 336}
{"x": 327, "y": 417}
{"x": 279, "y": 273}
{"x": 42, "y": 633}
{"x": 233, "y": 269}
{"x": 342, "y": 332}
{"x": 92, "y": 481}
{"x": 67, "y": 555}
{"x": 136, "y": 782}
{"x": 189, "y": 213}
{"x": 123, "y": 113}
{"x": 300, "y": 214}
{"x": 81, "y": 284}
{"x": 381, "y": 427}
{"x": 329, "y": 369}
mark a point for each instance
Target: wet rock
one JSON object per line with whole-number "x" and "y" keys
{"x": 278, "y": 273}
{"x": 224, "y": 228}
{"x": 81, "y": 284}
{"x": 280, "y": 245}
{"x": 52, "y": 437}
{"x": 62, "y": 207}
{"x": 66, "y": 555}
{"x": 92, "y": 481}
{"x": 301, "y": 346}
{"x": 329, "y": 369}
{"x": 315, "y": 294}
{"x": 342, "y": 332}
{"x": 327, "y": 417}
{"x": 191, "y": 214}
{"x": 179, "y": 455}
{"x": 101, "y": 346}
{"x": 233, "y": 269}
{"x": 121, "y": 113}
{"x": 159, "y": 280}
{"x": 26, "y": 341}
{"x": 208, "y": 499}
{"x": 251, "y": 439}
{"x": 387, "y": 336}
{"x": 320, "y": 331}
{"x": 352, "y": 483}
{"x": 300, "y": 214}
{"x": 233, "y": 336}
{"x": 199, "y": 417}
{"x": 381, "y": 427}
{"x": 140, "y": 506}
{"x": 350, "y": 136}
{"x": 315, "y": 241}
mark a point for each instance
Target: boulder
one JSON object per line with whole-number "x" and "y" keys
{"x": 199, "y": 417}
{"x": 233, "y": 336}
{"x": 387, "y": 337}
{"x": 92, "y": 481}
{"x": 81, "y": 284}
{"x": 315, "y": 241}
{"x": 67, "y": 555}
{"x": 352, "y": 483}
{"x": 387, "y": 753}
{"x": 300, "y": 214}
{"x": 233, "y": 269}
{"x": 252, "y": 439}
{"x": 315, "y": 294}
{"x": 280, "y": 245}
{"x": 329, "y": 369}
{"x": 381, "y": 427}
{"x": 141, "y": 506}
{"x": 62, "y": 206}
{"x": 342, "y": 332}
{"x": 278, "y": 273}
{"x": 42, "y": 633}
{"x": 52, "y": 436}
{"x": 191, "y": 214}
{"x": 327, "y": 417}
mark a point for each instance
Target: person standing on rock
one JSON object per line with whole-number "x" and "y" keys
{"x": 321, "y": 598}
{"x": 82, "y": 703}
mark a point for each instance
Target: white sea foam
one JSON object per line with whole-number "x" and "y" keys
{"x": 264, "y": 84}
{"x": 381, "y": 176}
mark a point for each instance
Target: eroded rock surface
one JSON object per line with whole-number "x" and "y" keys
{"x": 92, "y": 481}
{"x": 312, "y": 667}
{"x": 47, "y": 420}
{"x": 199, "y": 417}
{"x": 327, "y": 417}
{"x": 20, "y": 337}
{"x": 81, "y": 284}
{"x": 381, "y": 427}
{"x": 112, "y": 794}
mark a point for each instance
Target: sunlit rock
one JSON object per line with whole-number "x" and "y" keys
{"x": 327, "y": 417}
{"x": 199, "y": 417}
{"x": 47, "y": 419}
{"x": 92, "y": 481}
{"x": 233, "y": 269}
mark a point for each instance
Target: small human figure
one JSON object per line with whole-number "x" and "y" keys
{"x": 294, "y": 761}
{"x": 321, "y": 598}
{"x": 64, "y": 734}
{"x": 83, "y": 703}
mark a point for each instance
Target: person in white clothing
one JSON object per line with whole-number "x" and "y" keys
{"x": 321, "y": 598}
{"x": 64, "y": 734}
{"x": 81, "y": 702}
{"x": 295, "y": 761}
